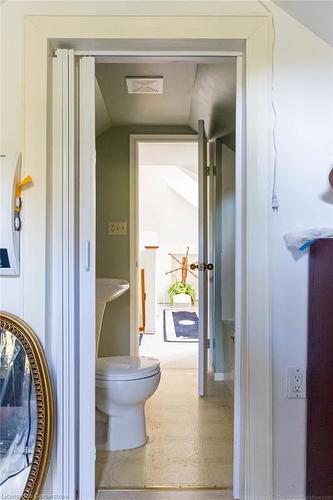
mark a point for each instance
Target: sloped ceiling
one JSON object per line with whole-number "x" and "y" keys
{"x": 214, "y": 98}
{"x": 191, "y": 92}
{"x": 181, "y": 162}
{"x": 103, "y": 121}
{"x": 317, "y": 15}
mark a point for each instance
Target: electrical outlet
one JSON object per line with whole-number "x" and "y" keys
{"x": 117, "y": 228}
{"x": 296, "y": 383}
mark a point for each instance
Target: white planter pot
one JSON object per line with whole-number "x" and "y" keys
{"x": 182, "y": 300}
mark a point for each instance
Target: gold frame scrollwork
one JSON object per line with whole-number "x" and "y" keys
{"x": 44, "y": 402}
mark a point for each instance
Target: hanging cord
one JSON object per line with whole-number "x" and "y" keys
{"x": 275, "y": 200}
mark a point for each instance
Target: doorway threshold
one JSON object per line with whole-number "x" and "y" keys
{"x": 165, "y": 493}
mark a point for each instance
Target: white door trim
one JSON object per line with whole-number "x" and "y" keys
{"x": 62, "y": 279}
{"x": 240, "y": 284}
{"x": 124, "y": 55}
{"x": 255, "y": 31}
{"x": 87, "y": 277}
{"x": 135, "y": 140}
{"x": 73, "y": 307}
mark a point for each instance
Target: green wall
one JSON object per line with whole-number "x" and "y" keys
{"x": 112, "y": 204}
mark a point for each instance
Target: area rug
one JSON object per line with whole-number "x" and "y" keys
{"x": 180, "y": 326}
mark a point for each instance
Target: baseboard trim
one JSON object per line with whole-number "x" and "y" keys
{"x": 289, "y": 497}
{"x": 188, "y": 493}
{"x": 163, "y": 488}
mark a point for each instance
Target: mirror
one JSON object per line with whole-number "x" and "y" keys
{"x": 26, "y": 411}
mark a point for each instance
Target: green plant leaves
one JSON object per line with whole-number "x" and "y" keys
{"x": 180, "y": 287}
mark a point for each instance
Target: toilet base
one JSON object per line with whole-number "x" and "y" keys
{"x": 123, "y": 402}
{"x": 126, "y": 429}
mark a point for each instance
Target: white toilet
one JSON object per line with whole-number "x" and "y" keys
{"x": 123, "y": 383}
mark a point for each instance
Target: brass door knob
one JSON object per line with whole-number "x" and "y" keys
{"x": 202, "y": 267}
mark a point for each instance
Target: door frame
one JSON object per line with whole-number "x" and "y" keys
{"x": 134, "y": 141}
{"x": 41, "y": 32}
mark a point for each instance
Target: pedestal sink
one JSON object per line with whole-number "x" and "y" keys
{"x": 107, "y": 289}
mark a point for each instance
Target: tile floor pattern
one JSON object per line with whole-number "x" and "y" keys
{"x": 165, "y": 495}
{"x": 190, "y": 439}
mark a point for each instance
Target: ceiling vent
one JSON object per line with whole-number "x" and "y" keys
{"x": 144, "y": 85}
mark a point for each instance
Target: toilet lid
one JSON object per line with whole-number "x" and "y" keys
{"x": 126, "y": 367}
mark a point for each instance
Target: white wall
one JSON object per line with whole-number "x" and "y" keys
{"x": 171, "y": 219}
{"x": 304, "y": 98}
{"x": 303, "y": 95}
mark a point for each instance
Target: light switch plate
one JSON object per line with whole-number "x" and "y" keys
{"x": 117, "y": 228}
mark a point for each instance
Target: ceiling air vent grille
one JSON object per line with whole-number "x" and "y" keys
{"x": 144, "y": 85}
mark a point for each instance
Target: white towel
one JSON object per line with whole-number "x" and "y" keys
{"x": 301, "y": 240}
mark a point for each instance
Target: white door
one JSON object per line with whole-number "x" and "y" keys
{"x": 87, "y": 294}
{"x": 203, "y": 254}
{"x": 211, "y": 216}
{"x": 63, "y": 257}
{"x": 73, "y": 273}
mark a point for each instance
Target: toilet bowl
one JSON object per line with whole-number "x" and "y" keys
{"x": 123, "y": 385}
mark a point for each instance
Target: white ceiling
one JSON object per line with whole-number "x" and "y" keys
{"x": 191, "y": 92}
{"x": 172, "y": 107}
{"x": 317, "y": 15}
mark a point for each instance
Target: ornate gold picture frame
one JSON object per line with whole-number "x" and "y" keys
{"x": 43, "y": 402}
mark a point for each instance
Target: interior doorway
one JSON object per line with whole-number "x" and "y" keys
{"x": 168, "y": 246}
{"x": 86, "y": 254}
{"x": 174, "y": 208}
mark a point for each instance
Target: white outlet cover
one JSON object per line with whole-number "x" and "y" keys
{"x": 296, "y": 381}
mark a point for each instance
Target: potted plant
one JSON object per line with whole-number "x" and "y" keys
{"x": 181, "y": 293}
{"x": 181, "y": 288}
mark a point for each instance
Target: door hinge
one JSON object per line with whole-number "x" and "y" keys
{"x": 208, "y": 343}
{"x": 208, "y": 172}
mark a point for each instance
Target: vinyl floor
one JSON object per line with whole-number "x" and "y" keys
{"x": 190, "y": 441}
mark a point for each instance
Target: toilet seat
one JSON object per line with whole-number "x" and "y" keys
{"x": 117, "y": 368}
